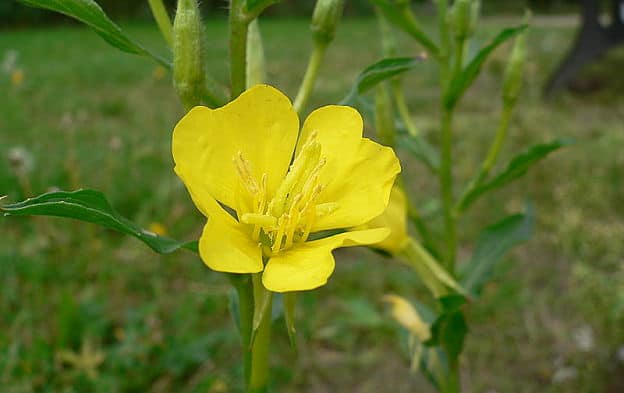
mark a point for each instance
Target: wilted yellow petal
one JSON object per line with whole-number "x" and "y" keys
{"x": 310, "y": 265}
{"x": 408, "y": 317}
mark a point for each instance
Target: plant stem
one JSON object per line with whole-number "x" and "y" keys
{"x": 244, "y": 289}
{"x": 162, "y": 20}
{"x": 490, "y": 159}
{"x": 259, "y": 376}
{"x": 445, "y": 44}
{"x": 239, "y": 25}
{"x": 452, "y": 384}
{"x": 309, "y": 79}
{"x": 499, "y": 139}
{"x": 446, "y": 187}
{"x": 402, "y": 108}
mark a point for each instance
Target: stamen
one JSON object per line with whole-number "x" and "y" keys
{"x": 277, "y": 241}
{"x": 262, "y": 220}
{"x": 244, "y": 171}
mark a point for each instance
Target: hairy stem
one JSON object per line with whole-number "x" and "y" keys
{"x": 309, "y": 79}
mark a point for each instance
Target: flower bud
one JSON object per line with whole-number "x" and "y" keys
{"x": 188, "y": 53}
{"x": 256, "y": 73}
{"x": 327, "y": 14}
{"x": 461, "y": 19}
{"x": 475, "y": 11}
{"x": 513, "y": 74}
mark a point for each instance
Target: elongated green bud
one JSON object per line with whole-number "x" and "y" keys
{"x": 461, "y": 16}
{"x": 513, "y": 74}
{"x": 475, "y": 12}
{"x": 325, "y": 18}
{"x": 256, "y": 73}
{"x": 189, "y": 76}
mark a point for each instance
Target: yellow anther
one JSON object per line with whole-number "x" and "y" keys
{"x": 262, "y": 220}
{"x": 326, "y": 208}
{"x": 303, "y": 165}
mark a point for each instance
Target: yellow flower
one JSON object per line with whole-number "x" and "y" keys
{"x": 407, "y": 316}
{"x": 394, "y": 218}
{"x": 283, "y": 185}
{"x": 17, "y": 77}
{"x": 158, "y": 229}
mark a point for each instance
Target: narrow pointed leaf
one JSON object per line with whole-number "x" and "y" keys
{"x": 461, "y": 82}
{"x": 378, "y": 72}
{"x": 493, "y": 243}
{"x": 91, "y": 14}
{"x": 516, "y": 168}
{"x": 92, "y": 206}
{"x": 401, "y": 17}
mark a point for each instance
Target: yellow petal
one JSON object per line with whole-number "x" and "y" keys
{"x": 359, "y": 173}
{"x": 260, "y": 123}
{"x": 394, "y": 218}
{"x": 309, "y": 265}
{"x": 226, "y": 246}
{"x": 408, "y": 317}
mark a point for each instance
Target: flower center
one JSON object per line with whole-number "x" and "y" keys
{"x": 289, "y": 216}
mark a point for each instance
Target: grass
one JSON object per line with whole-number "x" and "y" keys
{"x": 90, "y": 116}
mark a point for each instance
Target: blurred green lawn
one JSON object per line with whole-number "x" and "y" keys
{"x": 90, "y": 116}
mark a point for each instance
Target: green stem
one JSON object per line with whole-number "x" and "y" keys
{"x": 402, "y": 108}
{"x": 162, "y": 20}
{"x": 499, "y": 139}
{"x": 452, "y": 384}
{"x": 239, "y": 24}
{"x": 445, "y": 44}
{"x": 244, "y": 289}
{"x": 460, "y": 48}
{"x": 414, "y": 215}
{"x": 490, "y": 159}
{"x": 309, "y": 79}
{"x": 259, "y": 376}
{"x": 446, "y": 187}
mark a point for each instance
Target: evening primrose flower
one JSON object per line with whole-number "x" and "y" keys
{"x": 281, "y": 186}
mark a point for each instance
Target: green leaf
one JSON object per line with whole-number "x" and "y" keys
{"x": 493, "y": 243}
{"x": 449, "y": 331}
{"x": 378, "y": 72}
{"x": 91, "y": 14}
{"x": 402, "y": 17}
{"x": 92, "y": 206}
{"x": 460, "y": 83}
{"x": 420, "y": 149}
{"x": 516, "y": 168}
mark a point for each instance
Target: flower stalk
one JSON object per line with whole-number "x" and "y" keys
{"x": 239, "y": 25}
{"x": 162, "y": 20}
{"x": 327, "y": 14}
